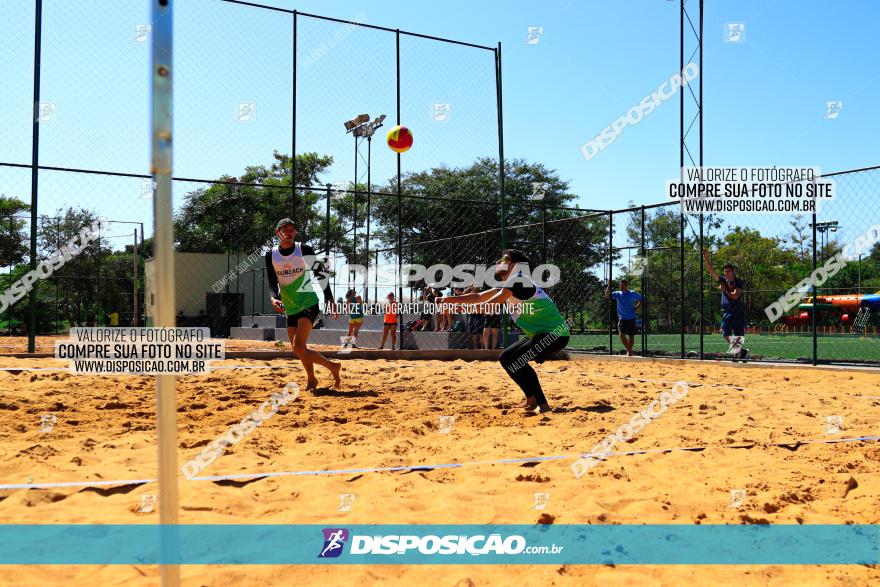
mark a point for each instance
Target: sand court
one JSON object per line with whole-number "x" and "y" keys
{"x": 415, "y": 442}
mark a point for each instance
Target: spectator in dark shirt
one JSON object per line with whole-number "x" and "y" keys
{"x": 491, "y": 326}
{"x": 733, "y": 310}
{"x": 427, "y": 315}
{"x": 476, "y": 322}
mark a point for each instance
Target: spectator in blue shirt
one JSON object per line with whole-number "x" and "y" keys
{"x": 628, "y": 302}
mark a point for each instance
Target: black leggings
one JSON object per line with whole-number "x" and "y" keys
{"x": 516, "y": 357}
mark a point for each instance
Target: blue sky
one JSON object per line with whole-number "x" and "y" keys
{"x": 764, "y": 98}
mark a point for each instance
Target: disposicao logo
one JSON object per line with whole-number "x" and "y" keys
{"x": 334, "y": 540}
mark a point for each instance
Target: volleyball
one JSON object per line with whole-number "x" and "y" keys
{"x": 400, "y": 139}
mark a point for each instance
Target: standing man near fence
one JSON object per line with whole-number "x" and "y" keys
{"x": 289, "y": 271}
{"x": 733, "y": 310}
{"x": 628, "y": 302}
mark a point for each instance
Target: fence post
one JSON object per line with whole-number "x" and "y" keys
{"x": 681, "y": 149}
{"x": 502, "y": 197}
{"x": 134, "y": 254}
{"x": 543, "y": 231}
{"x": 815, "y": 303}
{"x": 35, "y": 168}
{"x": 327, "y": 224}
{"x": 610, "y": 275}
{"x": 9, "y": 275}
{"x": 293, "y": 132}
{"x": 354, "y": 215}
{"x": 57, "y": 247}
{"x": 369, "y": 204}
{"x": 701, "y": 168}
{"x": 681, "y": 278}
{"x": 702, "y": 282}
{"x": 644, "y": 288}
{"x": 399, "y": 196}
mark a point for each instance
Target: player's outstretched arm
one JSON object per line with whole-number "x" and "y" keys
{"x": 490, "y": 296}
{"x": 709, "y": 267}
{"x": 272, "y": 278}
{"x": 500, "y": 296}
{"x": 322, "y": 275}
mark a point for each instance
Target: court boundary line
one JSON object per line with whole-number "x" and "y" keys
{"x": 272, "y": 367}
{"x": 492, "y": 355}
{"x": 581, "y": 355}
{"x": 271, "y": 474}
{"x": 709, "y": 385}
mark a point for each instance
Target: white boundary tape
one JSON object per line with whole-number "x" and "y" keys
{"x": 243, "y": 476}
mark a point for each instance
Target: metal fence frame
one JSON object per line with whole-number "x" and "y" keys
{"x": 499, "y": 198}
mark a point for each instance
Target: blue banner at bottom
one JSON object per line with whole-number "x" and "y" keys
{"x": 668, "y": 544}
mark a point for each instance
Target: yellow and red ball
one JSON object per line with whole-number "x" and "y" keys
{"x": 400, "y": 139}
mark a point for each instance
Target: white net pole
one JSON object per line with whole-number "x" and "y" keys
{"x": 164, "y": 282}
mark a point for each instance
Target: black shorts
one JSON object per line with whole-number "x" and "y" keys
{"x": 310, "y": 313}
{"x": 627, "y": 327}
{"x": 476, "y": 323}
{"x": 493, "y": 321}
{"x": 552, "y": 348}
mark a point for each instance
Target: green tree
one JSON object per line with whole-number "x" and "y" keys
{"x": 227, "y": 216}
{"x": 801, "y": 239}
{"x": 76, "y": 290}
{"x": 452, "y": 216}
{"x": 13, "y": 240}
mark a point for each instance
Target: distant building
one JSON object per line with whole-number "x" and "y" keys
{"x": 198, "y": 274}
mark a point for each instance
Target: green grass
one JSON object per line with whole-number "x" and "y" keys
{"x": 770, "y": 346}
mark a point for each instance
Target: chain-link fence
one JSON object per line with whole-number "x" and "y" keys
{"x": 254, "y": 85}
{"x": 275, "y": 113}
{"x": 659, "y": 251}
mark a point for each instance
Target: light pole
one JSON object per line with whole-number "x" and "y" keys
{"x": 355, "y": 126}
{"x": 822, "y": 228}
{"x": 362, "y": 127}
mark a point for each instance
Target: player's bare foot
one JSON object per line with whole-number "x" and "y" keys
{"x": 335, "y": 368}
{"x": 312, "y": 384}
{"x": 535, "y": 409}
{"x": 529, "y": 405}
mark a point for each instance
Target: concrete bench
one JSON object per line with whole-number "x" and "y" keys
{"x": 370, "y": 335}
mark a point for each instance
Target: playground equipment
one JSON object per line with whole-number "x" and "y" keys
{"x": 863, "y": 305}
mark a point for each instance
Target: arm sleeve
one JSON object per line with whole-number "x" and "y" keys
{"x": 638, "y": 296}
{"x": 615, "y": 295}
{"x": 318, "y": 270}
{"x": 270, "y": 275}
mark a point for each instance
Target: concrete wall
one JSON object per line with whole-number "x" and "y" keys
{"x": 194, "y": 276}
